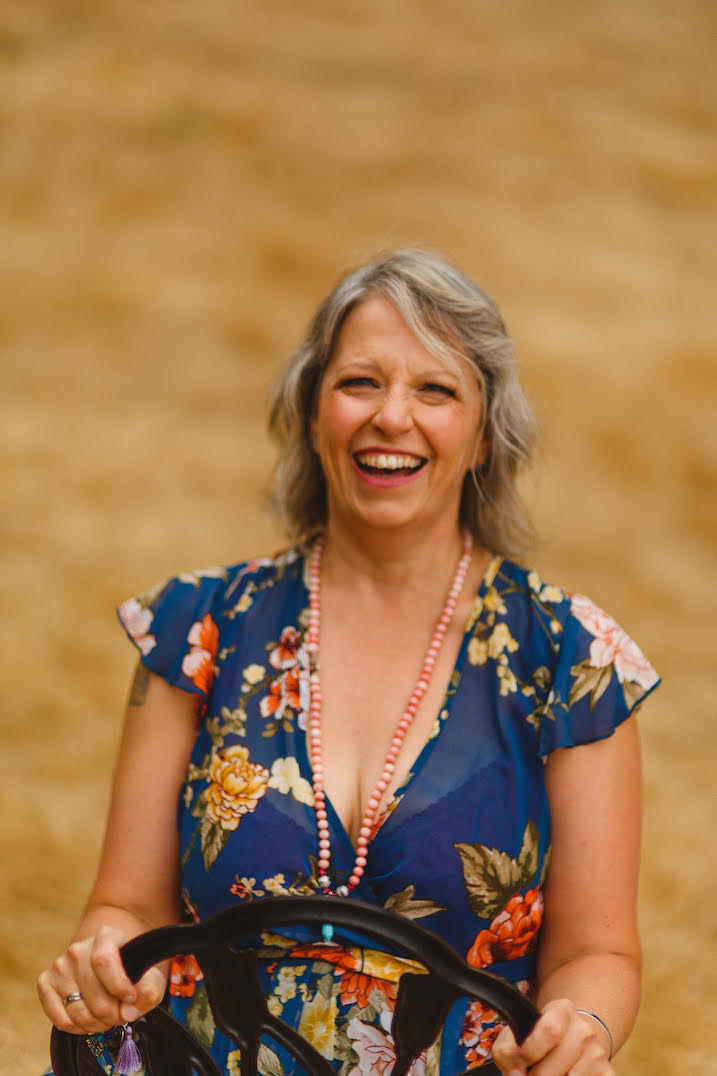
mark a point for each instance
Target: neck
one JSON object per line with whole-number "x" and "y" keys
{"x": 391, "y": 557}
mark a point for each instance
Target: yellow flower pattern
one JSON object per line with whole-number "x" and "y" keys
{"x": 478, "y": 651}
{"x": 236, "y": 787}
{"x": 318, "y": 1023}
{"x": 501, "y": 640}
{"x": 286, "y": 778}
{"x": 254, "y": 673}
{"x": 285, "y": 988}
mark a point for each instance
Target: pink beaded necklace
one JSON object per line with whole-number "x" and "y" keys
{"x": 315, "y": 748}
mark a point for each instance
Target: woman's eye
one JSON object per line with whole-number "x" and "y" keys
{"x": 357, "y": 383}
{"x": 435, "y": 389}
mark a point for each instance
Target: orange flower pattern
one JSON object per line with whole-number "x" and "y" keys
{"x": 512, "y": 933}
{"x": 198, "y": 664}
{"x": 355, "y": 986}
{"x": 184, "y": 974}
{"x": 481, "y": 1027}
{"x": 285, "y": 691}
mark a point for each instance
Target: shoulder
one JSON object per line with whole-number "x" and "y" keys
{"x": 573, "y": 619}
{"x": 524, "y": 598}
{"x": 583, "y": 624}
{"x": 193, "y": 617}
{"x": 225, "y": 588}
{"x": 574, "y": 664}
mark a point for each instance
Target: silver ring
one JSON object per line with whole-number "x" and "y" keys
{"x": 69, "y": 998}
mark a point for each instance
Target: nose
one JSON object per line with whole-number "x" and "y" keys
{"x": 393, "y": 415}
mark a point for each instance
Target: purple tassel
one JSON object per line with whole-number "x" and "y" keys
{"x": 128, "y": 1060}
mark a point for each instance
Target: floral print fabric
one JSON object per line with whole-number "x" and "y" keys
{"x": 464, "y": 845}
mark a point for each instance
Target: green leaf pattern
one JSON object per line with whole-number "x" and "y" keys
{"x": 492, "y": 877}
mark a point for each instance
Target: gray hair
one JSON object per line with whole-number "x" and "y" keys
{"x": 453, "y": 319}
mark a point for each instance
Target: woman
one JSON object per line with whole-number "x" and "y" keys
{"x": 499, "y": 804}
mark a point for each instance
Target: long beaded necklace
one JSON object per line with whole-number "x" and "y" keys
{"x": 315, "y": 747}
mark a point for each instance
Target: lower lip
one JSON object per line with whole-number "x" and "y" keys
{"x": 388, "y": 480}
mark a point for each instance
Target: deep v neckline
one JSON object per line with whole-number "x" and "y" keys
{"x": 336, "y": 824}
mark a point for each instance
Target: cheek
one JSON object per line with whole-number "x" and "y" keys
{"x": 459, "y": 439}
{"x": 337, "y": 420}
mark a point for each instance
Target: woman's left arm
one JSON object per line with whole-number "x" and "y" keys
{"x": 589, "y": 956}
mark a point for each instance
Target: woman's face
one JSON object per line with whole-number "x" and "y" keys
{"x": 396, "y": 429}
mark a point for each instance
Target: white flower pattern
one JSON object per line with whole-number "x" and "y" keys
{"x": 611, "y": 645}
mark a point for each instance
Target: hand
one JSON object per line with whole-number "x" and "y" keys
{"x": 562, "y": 1043}
{"x": 93, "y": 968}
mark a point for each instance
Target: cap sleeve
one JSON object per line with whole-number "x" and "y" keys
{"x": 601, "y": 678}
{"x": 174, "y": 626}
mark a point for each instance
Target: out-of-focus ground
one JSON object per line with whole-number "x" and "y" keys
{"x": 179, "y": 185}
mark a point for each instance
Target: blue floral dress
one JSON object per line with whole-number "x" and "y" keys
{"x": 463, "y": 846}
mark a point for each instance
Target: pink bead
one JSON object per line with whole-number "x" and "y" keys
{"x": 365, "y": 832}
{"x": 360, "y": 861}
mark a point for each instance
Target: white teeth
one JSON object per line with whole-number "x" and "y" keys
{"x": 380, "y": 461}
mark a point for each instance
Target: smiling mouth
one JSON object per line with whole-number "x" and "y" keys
{"x": 378, "y": 463}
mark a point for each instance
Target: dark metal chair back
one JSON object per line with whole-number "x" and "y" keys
{"x": 239, "y": 1006}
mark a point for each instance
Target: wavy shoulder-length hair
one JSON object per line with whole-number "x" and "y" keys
{"x": 452, "y": 318}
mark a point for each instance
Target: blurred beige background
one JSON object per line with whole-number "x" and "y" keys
{"x": 179, "y": 185}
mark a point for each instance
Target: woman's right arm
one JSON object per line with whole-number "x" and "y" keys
{"x": 137, "y": 885}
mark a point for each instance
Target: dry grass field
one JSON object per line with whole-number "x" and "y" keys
{"x": 180, "y": 182}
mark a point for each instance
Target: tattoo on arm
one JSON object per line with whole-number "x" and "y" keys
{"x": 140, "y": 686}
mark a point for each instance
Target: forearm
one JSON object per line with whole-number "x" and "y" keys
{"x": 607, "y": 984}
{"x": 129, "y": 920}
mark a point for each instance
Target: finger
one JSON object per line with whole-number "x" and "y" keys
{"x": 102, "y": 984}
{"x": 582, "y": 1051}
{"x": 507, "y": 1055}
{"x": 57, "y": 989}
{"x": 52, "y": 1001}
{"x": 561, "y": 1042}
{"x": 106, "y": 964}
{"x": 548, "y": 1033}
{"x": 150, "y": 991}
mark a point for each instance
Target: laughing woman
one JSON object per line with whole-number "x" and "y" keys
{"x": 465, "y": 752}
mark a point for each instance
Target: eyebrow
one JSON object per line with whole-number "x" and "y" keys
{"x": 433, "y": 373}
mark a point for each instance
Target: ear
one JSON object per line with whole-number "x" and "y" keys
{"x": 482, "y": 452}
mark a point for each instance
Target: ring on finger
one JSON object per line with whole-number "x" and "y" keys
{"x": 69, "y": 998}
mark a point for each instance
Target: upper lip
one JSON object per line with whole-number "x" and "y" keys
{"x": 382, "y": 451}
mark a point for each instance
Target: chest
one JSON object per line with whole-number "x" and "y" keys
{"x": 367, "y": 680}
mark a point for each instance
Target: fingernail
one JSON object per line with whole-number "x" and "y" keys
{"x": 130, "y": 1013}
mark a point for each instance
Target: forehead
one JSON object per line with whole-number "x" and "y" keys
{"x": 376, "y": 327}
